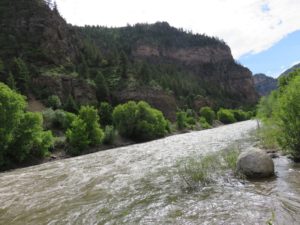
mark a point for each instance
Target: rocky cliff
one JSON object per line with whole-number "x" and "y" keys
{"x": 32, "y": 30}
{"x": 264, "y": 84}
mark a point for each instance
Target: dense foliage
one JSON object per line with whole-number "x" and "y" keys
{"x": 280, "y": 112}
{"x": 21, "y": 132}
{"x": 84, "y": 131}
{"x": 208, "y": 114}
{"x": 105, "y": 113}
{"x": 226, "y": 116}
{"x": 139, "y": 121}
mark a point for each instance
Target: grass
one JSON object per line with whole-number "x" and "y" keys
{"x": 201, "y": 171}
{"x": 267, "y": 135}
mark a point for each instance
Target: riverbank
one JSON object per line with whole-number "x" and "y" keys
{"x": 60, "y": 153}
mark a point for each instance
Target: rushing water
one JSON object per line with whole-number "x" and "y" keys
{"x": 139, "y": 184}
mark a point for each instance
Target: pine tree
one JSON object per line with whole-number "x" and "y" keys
{"x": 101, "y": 87}
{"x": 21, "y": 74}
{"x": 123, "y": 65}
{"x": 11, "y": 81}
{"x": 71, "y": 105}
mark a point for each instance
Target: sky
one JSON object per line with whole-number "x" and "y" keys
{"x": 263, "y": 35}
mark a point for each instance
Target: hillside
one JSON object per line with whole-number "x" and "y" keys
{"x": 293, "y": 68}
{"x": 167, "y": 67}
{"x": 264, "y": 84}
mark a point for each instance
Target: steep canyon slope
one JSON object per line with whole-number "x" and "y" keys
{"x": 168, "y": 67}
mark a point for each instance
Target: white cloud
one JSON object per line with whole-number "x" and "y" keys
{"x": 248, "y": 26}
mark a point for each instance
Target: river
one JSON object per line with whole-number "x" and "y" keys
{"x": 139, "y": 184}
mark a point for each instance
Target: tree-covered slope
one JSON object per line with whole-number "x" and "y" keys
{"x": 166, "y": 66}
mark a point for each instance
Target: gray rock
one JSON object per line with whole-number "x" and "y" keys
{"x": 255, "y": 163}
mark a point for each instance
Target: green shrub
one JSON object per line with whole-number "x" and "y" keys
{"x": 181, "y": 120}
{"x": 226, "y": 116}
{"x": 90, "y": 116}
{"x": 77, "y": 137}
{"x": 139, "y": 121}
{"x": 30, "y": 139}
{"x": 168, "y": 127}
{"x": 239, "y": 115}
{"x": 288, "y": 117}
{"x": 21, "y": 133}
{"x": 87, "y": 125}
{"x": 69, "y": 118}
{"x": 203, "y": 123}
{"x": 268, "y": 135}
{"x": 109, "y": 135}
{"x": 57, "y": 119}
{"x": 105, "y": 113}
{"x": 280, "y": 113}
{"x": 54, "y": 102}
{"x": 208, "y": 114}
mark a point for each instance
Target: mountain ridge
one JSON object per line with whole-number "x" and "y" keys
{"x": 92, "y": 64}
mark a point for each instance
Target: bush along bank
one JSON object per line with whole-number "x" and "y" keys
{"x": 88, "y": 128}
{"x": 280, "y": 116}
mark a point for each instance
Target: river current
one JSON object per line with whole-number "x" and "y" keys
{"x": 139, "y": 184}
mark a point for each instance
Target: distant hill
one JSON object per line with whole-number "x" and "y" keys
{"x": 168, "y": 67}
{"x": 264, "y": 84}
{"x": 293, "y": 68}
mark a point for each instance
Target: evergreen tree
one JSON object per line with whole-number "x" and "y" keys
{"x": 70, "y": 105}
{"x": 11, "y": 81}
{"x": 145, "y": 73}
{"x": 102, "y": 91}
{"x": 21, "y": 73}
{"x": 123, "y": 65}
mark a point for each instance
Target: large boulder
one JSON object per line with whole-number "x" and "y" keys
{"x": 255, "y": 163}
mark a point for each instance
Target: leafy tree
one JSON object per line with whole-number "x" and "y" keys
{"x": 288, "y": 117}
{"x": 21, "y": 133}
{"x": 30, "y": 139}
{"x": 181, "y": 120}
{"x": 105, "y": 113}
{"x": 139, "y": 121}
{"x": 239, "y": 115}
{"x": 208, "y": 114}
{"x": 12, "y": 107}
{"x": 54, "y": 102}
{"x": 226, "y": 116}
{"x": 77, "y": 137}
{"x": 84, "y": 131}
{"x": 90, "y": 116}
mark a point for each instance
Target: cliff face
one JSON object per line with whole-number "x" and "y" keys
{"x": 34, "y": 32}
{"x": 188, "y": 56}
{"x": 215, "y": 67}
{"x": 264, "y": 84}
